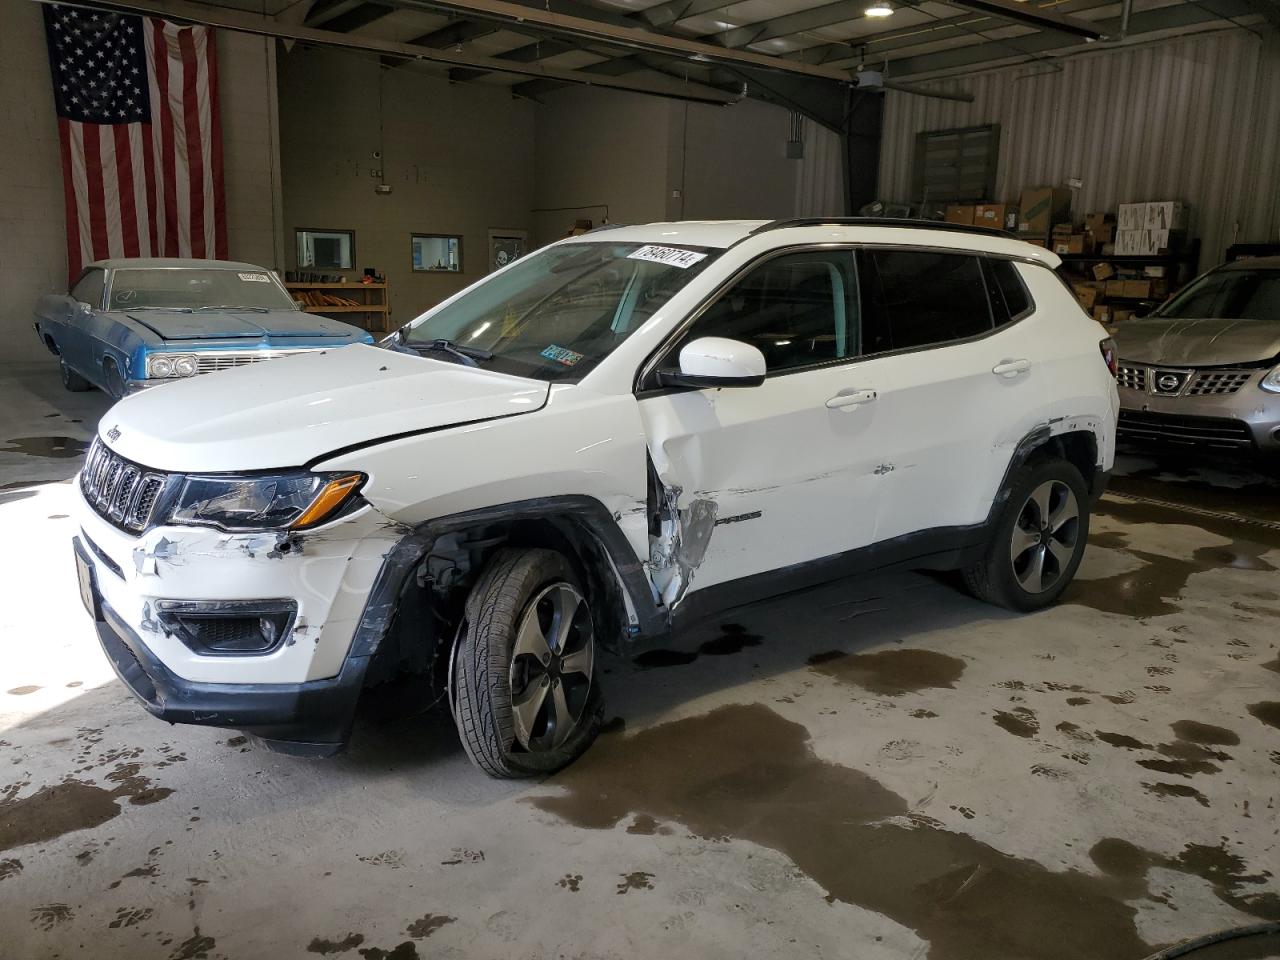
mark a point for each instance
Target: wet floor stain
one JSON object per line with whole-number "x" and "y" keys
{"x": 637, "y": 880}
{"x": 1193, "y": 731}
{"x": 1273, "y": 665}
{"x": 23, "y": 690}
{"x": 54, "y": 448}
{"x": 10, "y": 867}
{"x": 1165, "y": 790}
{"x": 325, "y": 947}
{"x": 748, "y": 773}
{"x": 733, "y": 638}
{"x": 195, "y": 947}
{"x": 1268, "y": 712}
{"x": 51, "y": 915}
{"x": 1245, "y": 498}
{"x": 428, "y": 924}
{"x": 890, "y": 673}
{"x": 72, "y": 805}
{"x": 1121, "y": 740}
{"x": 405, "y": 951}
{"x": 1154, "y": 589}
{"x": 130, "y": 917}
{"x": 571, "y": 882}
{"x": 1019, "y": 721}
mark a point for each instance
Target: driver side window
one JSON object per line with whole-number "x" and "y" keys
{"x": 798, "y": 309}
{"x": 88, "y": 289}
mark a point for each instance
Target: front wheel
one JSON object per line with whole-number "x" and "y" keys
{"x": 1038, "y": 541}
{"x": 526, "y": 701}
{"x": 72, "y": 380}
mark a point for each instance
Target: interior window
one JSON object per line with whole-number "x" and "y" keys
{"x": 920, "y": 297}
{"x": 1008, "y": 291}
{"x": 798, "y": 309}
{"x": 88, "y": 289}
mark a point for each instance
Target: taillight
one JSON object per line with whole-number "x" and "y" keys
{"x": 1108, "y": 348}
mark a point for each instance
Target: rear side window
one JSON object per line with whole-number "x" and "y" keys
{"x": 920, "y": 298}
{"x": 88, "y": 288}
{"x": 1009, "y": 297}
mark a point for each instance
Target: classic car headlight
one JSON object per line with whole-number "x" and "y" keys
{"x": 286, "y": 501}
{"x": 1271, "y": 382}
{"x": 161, "y": 366}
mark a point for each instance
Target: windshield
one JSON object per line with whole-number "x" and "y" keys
{"x": 1228, "y": 295}
{"x": 559, "y": 312}
{"x": 192, "y": 289}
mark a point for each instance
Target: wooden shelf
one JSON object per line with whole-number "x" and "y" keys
{"x": 370, "y": 310}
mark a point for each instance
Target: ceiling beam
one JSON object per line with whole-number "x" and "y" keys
{"x": 357, "y": 17}
{"x": 673, "y": 11}
{"x": 263, "y": 25}
{"x": 630, "y": 37}
{"x": 1033, "y": 45}
{"x": 1042, "y": 18}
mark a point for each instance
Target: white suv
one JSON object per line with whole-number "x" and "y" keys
{"x": 611, "y": 436}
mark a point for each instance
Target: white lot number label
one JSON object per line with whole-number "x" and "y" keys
{"x": 671, "y": 256}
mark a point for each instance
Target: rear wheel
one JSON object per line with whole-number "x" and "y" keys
{"x": 1038, "y": 541}
{"x": 72, "y": 380}
{"x": 526, "y": 701}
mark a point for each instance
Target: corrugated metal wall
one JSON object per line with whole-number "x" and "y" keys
{"x": 1195, "y": 119}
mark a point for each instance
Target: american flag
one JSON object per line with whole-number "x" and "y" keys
{"x": 137, "y": 102}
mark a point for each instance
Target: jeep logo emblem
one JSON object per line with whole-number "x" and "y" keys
{"x": 113, "y": 434}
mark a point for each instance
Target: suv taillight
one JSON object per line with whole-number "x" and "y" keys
{"x": 1108, "y": 348}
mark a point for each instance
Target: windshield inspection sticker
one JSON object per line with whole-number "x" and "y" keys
{"x": 255, "y": 277}
{"x": 561, "y": 355}
{"x": 671, "y": 256}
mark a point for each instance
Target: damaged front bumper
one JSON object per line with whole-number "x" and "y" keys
{"x": 299, "y": 691}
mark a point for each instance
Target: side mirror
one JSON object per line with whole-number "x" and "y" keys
{"x": 716, "y": 362}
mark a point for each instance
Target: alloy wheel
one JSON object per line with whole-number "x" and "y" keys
{"x": 551, "y": 668}
{"x": 1045, "y": 536}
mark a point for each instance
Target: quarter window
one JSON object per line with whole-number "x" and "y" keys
{"x": 798, "y": 310}
{"x": 88, "y": 289}
{"x": 919, "y": 298}
{"x": 1009, "y": 297}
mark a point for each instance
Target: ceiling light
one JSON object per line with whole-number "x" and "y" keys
{"x": 879, "y": 8}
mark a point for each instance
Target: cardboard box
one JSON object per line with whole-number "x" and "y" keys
{"x": 1103, "y": 271}
{"x": 1087, "y": 296}
{"x": 998, "y": 216}
{"x": 1120, "y": 316}
{"x": 1102, "y": 314}
{"x": 1166, "y": 215}
{"x": 1156, "y": 270}
{"x": 1108, "y": 250}
{"x": 1131, "y": 216}
{"x": 1041, "y": 207}
{"x": 1137, "y": 289}
{"x": 960, "y": 213}
{"x": 1101, "y": 233}
{"x": 1098, "y": 221}
{"x": 1039, "y": 239}
{"x": 1074, "y": 244}
{"x": 1115, "y": 288}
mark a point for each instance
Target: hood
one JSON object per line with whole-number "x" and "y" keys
{"x": 291, "y": 411}
{"x": 220, "y": 324}
{"x": 1198, "y": 343}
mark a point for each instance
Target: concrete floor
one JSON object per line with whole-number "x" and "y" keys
{"x": 880, "y": 769}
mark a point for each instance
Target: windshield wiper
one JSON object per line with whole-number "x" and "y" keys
{"x": 233, "y": 306}
{"x": 126, "y": 308}
{"x": 466, "y": 355}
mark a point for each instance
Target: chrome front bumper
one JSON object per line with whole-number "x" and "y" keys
{"x": 1246, "y": 420}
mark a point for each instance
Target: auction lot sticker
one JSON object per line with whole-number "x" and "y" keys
{"x": 671, "y": 256}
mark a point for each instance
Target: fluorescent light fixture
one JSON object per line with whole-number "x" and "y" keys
{"x": 879, "y": 8}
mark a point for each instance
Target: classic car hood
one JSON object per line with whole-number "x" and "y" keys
{"x": 1198, "y": 343}
{"x": 219, "y": 324}
{"x": 288, "y": 412}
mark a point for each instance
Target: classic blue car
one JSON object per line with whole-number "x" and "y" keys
{"x": 129, "y": 324}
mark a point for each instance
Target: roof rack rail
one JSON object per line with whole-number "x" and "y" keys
{"x": 903, "y": 222}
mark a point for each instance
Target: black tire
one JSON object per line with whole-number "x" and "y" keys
{"x": 72, "y": 380}
{"x": 1007, "y": 575}
{"x": 113, "y": 380}
{"x": 520, "y": 583}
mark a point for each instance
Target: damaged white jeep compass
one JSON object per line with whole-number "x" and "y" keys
{"x": 620, "y": 432}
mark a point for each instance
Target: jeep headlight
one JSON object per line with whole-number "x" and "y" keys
{"x": 162, "y": 366}
{"x": 285, "y": 501}
{"x": 1271, "y": 382}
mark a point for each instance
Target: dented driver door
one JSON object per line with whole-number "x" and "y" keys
{"x": 757, "y": 479}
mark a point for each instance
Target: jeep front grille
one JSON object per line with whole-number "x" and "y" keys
{"x": 122, "y": 493}
{"x": 225, "y": 360}
{"x": 1218, "y": 382}
{"x": 1134, "y": 378}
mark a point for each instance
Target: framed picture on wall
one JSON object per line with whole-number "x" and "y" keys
{"x": 435, "y": 253}
{"x": 326, "y": 249}
{"x": 506, "y": 246}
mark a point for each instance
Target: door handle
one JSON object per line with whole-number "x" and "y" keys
{"x": 851, "y": 398}
{"x": 1011, "y": 368}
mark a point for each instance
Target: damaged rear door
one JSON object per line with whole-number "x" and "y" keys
{"x": 754, "y": 479}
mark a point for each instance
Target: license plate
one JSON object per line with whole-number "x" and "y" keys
{"x": 88, "y": 593}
